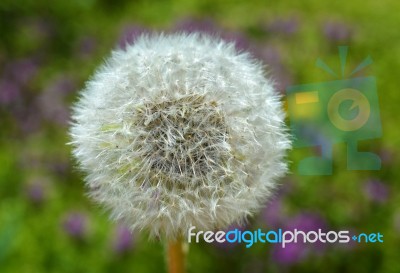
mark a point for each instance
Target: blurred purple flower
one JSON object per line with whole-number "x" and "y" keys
{"x": 86, "y": 47}
{"x": 291, "y": 254}
{"x": 40, "y": 27}
{"x": 282, "y": 79}
{"x": 62, "y": 85}
{"x": 208, "y": 26}
{"x": 270, "y": 54}
{"x": 306, "y": 221}
{"x": 35, "y": 192}
{"x": 9, "y": 92}
{"x": 192, "y": 25}
{"x": 336, "y": 31}
{"x": 323, "y": 146}
{"x": 129, "y": 34}
{"x": 376, "y": 191}
{"x": 272, "y": 214}
{"x": 52, "y": 103}
{"x": 287, "y": 26}
{"x": 23, "y": 70}
{"x": 273, "y": 58}
{"x": 75, "y": 225}
{"x": 28, "y": 119}
{"x": 296, "y": 252}
{"x": 123, "y": 241}
{"x": 386, "y": 155}
{"x": 59, "y": 166}
{"x": 240, "y": 41}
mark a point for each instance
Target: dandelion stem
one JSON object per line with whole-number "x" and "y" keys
{"x": 176, "y": 257}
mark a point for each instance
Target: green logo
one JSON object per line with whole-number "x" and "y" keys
{"x": 346, "y": 110}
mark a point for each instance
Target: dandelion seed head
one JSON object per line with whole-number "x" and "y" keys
{"x": 177, "y": 131}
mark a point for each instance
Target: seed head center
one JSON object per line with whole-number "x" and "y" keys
{"x": 183, "y": 138}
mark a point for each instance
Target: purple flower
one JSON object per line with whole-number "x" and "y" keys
{"x": 52, "y": 100}
{"x": 240, "y": 41}
{"x": 62, "y": 85}
{"x": 192, "y": 25}
{"x": 9, "y": 92}
{"x": 59, "y": 166}
{"x": 291, "y": 254}
{"x": 287, "y": 26}
{"x": 376, "y": 191}
{"x": 272, "y": 56}
{"x": 306, "y": 221}
{"x": 386, "y": 155}
{"x": 323, "y": 146}
{"x": 273, "y": 213}
{"x": 209, "y": 27}
{"x": 123, "y": 241}
{"x": 23, "y": 70}
{"x": 296, "y": 252}
{"x": 86, "y": 46}
{"x": 129, "y": 34}
{"x": 75, "y": 225}
{"x": 35, "y": 192}
{"x": 336, "y": 31}
{"x": 282, "y": 79}
{"x": 29, "y": 119}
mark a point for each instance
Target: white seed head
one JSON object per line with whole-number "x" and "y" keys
{"x": 177, "y": 131}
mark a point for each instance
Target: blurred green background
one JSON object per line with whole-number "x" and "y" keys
{"x": 49, "y": 49}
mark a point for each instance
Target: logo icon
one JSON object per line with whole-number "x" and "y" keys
{"x": 340, "y": 111}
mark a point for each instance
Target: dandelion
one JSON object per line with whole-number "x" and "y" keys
{"x": 177, "y": 131}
